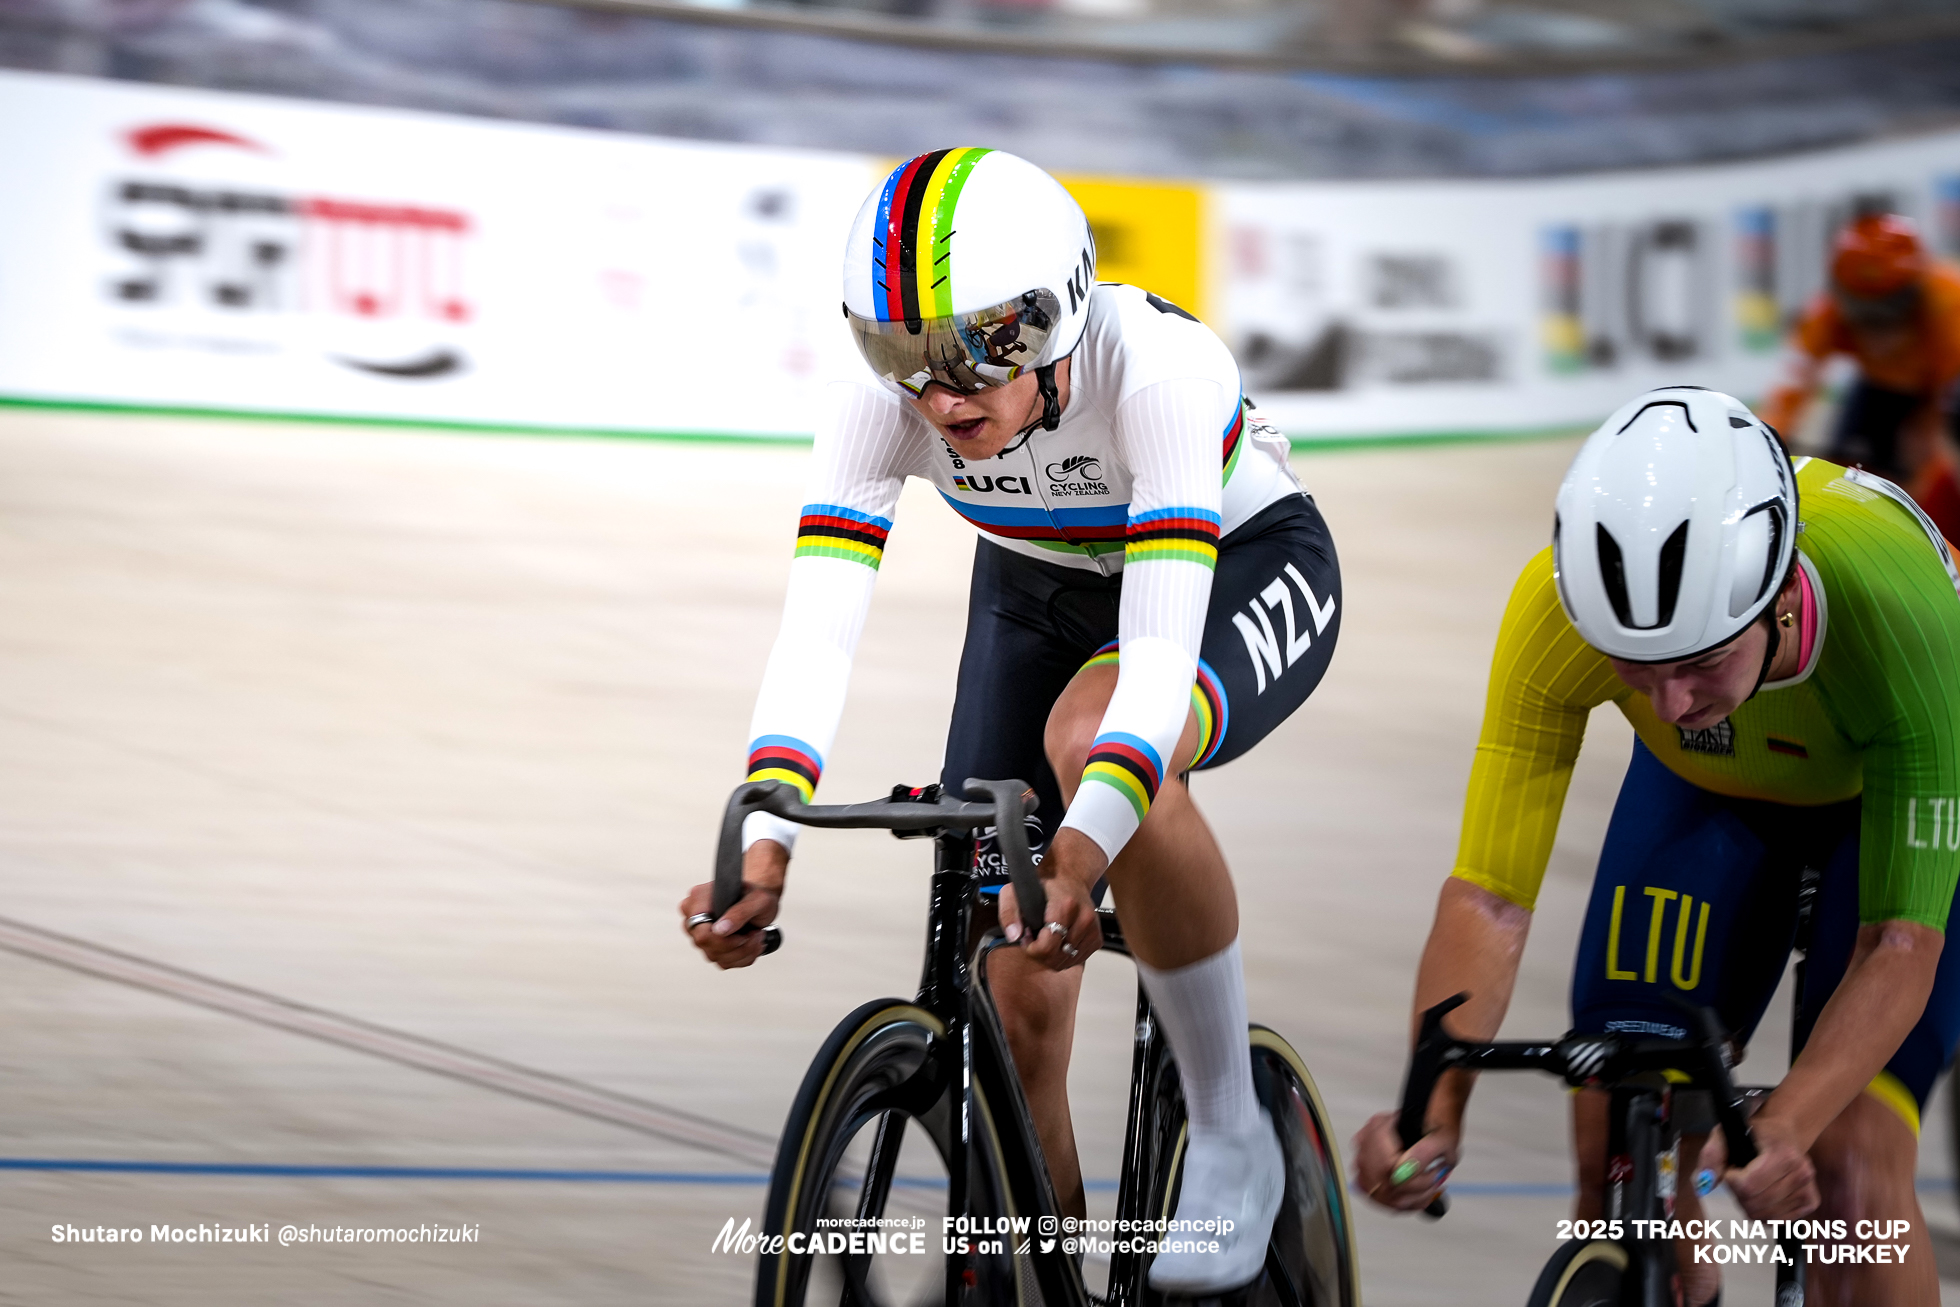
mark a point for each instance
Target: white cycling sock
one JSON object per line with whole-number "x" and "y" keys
{"x": 1202, "y": 1010}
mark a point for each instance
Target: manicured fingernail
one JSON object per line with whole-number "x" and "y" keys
{"x": 1704, "y": 1182}
{"x": 723, "y": 927}
{"x": 1403, "y": 1172}
{"x": 1013, "y": 931}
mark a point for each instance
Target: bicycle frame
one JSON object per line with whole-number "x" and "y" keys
{"x": 972, "y": 1060}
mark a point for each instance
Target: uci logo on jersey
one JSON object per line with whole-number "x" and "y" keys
{"x": 993, "y": 485}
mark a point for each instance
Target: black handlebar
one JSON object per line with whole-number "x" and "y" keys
{"x": 1006, "y": 809}
{"x": 1582, "y": 1061}
{"x": 1425, "y": 1068}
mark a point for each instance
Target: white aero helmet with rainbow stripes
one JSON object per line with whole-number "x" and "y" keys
{"x": 967, "y": 268}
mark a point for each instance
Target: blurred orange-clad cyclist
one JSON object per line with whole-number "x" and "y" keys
{"x": 1895, "y": 309}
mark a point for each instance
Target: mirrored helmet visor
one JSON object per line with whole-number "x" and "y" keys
{"x": 966, "y": 352}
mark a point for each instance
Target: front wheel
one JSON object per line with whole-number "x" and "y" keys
{"x": 1310, "y": 1260}
{"x": 1582, "y": 1273}
{"x": 865, "y": 1151}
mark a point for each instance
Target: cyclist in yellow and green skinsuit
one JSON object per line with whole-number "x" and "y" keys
{"x": 1794, "y": 680}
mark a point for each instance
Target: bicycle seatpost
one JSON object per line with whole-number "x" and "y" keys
{"x": 1426, "y": 1064}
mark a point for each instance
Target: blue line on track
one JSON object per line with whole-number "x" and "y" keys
{"x": 1468, "y": 1189}
{"x": 427, "y": 1173}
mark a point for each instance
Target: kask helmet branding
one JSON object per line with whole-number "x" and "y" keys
{"x": 1676, "y": 525}
{"x": 967, "y": 268}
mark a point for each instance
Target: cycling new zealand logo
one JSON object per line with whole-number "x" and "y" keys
{"x": 987, "y": 858}
{"x": 1079, "y": 474}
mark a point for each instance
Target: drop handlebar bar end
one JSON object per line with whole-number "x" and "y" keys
{"x": 1425, "y": 1065}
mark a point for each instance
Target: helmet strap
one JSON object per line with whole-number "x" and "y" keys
{"x": 1051, "y": 408}
{"x": 1051, "y": 404}
{"x": 1769, "y": 654}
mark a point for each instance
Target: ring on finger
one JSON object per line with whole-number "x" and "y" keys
{"x": 698, "y": 919}
{"x": 1057, "y": 928}
{"x": 1071, "y": 949}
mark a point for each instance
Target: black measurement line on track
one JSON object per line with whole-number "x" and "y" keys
{"x": 638, "y": 1114}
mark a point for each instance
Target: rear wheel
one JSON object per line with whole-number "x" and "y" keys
{"x": 1582, "y": 1273}
{"x": 1310, "y": 1259}
{"x": 865, "y": 1151}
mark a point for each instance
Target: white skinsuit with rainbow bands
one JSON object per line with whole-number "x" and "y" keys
{"x": 1155, "y": 458}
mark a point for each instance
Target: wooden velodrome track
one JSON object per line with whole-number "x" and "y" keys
{"x": 348, "y": 780}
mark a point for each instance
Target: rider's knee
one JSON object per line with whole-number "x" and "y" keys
{"x": 1070, "y": 734}
{"x": 1035, "y": 1005}
{"x": 1863, "y": 1159}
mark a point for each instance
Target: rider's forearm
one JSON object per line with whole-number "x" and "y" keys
{"x": 1167, "y": 433}
{"x": 1876, "y": 1005}
{"x": 765, "y": 865}
{"x": 1474, "y": 947}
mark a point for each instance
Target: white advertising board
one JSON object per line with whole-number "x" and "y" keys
{"x": 162, "y": 247}
{"x": 174, "y": 248}
{"x": 1411, "y": 308}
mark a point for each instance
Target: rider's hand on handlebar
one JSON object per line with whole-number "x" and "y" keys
{"x": 764, "y": 868}
{"x": 1068, "y": 875}
{"x": 1780, "y": 1185}
{"x": 1379, "y": 1158}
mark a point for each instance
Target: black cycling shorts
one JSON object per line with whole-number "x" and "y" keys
{"x": 1696, "y": 901}
{"x": 1274, "y": 617}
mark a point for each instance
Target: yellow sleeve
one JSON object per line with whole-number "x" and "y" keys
{"x": 1544, "y": 680}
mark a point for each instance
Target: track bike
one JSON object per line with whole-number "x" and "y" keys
{"x": 909, "y": 1097}
{"x": 1661, "y": 1089}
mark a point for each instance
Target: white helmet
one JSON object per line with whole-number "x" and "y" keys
{"x": 1676, "y": 525}
{"x": 967, "y": 267}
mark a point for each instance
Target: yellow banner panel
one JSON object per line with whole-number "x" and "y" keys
{"x": 1149, "y": 234}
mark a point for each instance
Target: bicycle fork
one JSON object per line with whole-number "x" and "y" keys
{"x": 1125, "y": 1267}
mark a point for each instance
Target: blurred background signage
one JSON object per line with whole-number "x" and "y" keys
{"x": 1388, "y": 251}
